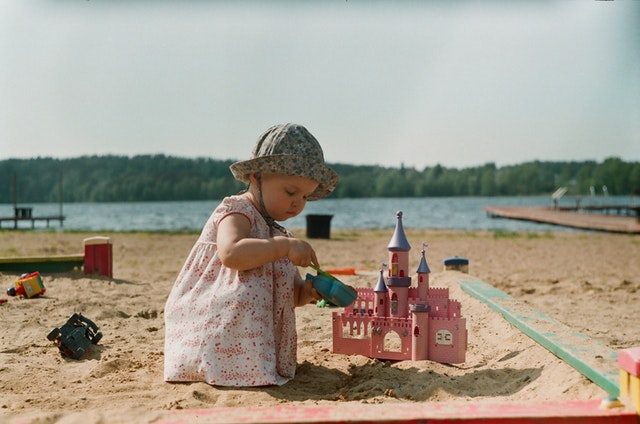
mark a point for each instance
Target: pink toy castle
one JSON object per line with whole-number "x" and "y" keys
{"x": 396, "y": 321}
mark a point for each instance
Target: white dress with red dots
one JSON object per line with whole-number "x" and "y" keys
{"x": 229, "y": 327}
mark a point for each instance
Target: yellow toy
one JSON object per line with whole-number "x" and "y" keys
{"x": 29, "y": 285}
{"x": 629, "y": 362}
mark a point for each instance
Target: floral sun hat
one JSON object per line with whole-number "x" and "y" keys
{"x": 289, "y": 149}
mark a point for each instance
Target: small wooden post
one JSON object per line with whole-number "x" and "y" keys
{"x": 14, "y": 195}
{"x": 60, "y": 215}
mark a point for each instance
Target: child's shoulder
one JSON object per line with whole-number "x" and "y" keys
{"x": 237, "y": 201}
{"x": 235, "y": 204}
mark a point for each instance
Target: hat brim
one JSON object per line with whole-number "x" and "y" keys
{"x": 299, "y": 166}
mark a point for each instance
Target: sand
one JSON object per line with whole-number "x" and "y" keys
{"x": 589, "y": 281}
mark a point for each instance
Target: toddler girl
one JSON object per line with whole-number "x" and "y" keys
{"x": 229, "y": 319}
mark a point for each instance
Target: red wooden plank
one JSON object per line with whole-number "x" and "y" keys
{"x": 547, "y": 412}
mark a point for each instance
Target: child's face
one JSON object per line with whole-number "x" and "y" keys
{"x": 285, "y": 196}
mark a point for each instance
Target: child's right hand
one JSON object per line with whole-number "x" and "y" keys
{"x": 301, "y": 253}
{"x": 303, "y": 293}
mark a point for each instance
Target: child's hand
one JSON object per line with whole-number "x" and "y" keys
{"x": 301, "y": 253}
{"x": 303, "y": 293}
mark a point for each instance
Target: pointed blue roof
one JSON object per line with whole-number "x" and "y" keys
{"x": 399, "y": 241}
{"x": 423, "y": 267}
{"x": 381, "y": 287}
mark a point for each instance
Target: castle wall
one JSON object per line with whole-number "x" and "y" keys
{"x": 438, "y": 292}
{"x": 353, "y": 347}
{"x": 455, "y": 309}
{"x": 447, "y": 340}
{"x": 413, "y": 295}
{"x": 359, "y": 340}
{"x": 379, "y": 330}
{"x": 444, "y": 308}
{"x": 353, "y": 326}
{"x": 365, "y": 301}
{"x": 363, "y": 306}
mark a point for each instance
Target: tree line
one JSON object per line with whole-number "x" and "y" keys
{"x": 160, "y": 177}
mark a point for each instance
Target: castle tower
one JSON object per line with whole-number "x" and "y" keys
{"x": 399, "y": 252}
{"x": 381, "y": 297}
{"x": 420, "y": 332}
{"x": 398, "y": 280}
{"x": 423, "y": 272}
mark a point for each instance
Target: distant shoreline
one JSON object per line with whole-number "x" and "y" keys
{"x": 168, "y": 178}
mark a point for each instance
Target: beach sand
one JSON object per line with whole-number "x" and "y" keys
{"x": 589, "y": 281}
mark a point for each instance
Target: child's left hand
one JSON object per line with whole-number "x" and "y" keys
{"x": 304, "y": 293}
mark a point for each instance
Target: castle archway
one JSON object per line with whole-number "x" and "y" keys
{"x": 392, "y": 342}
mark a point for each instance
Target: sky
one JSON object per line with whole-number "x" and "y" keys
{"x": 386, "y": 83}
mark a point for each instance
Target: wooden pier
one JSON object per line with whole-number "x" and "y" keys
{"x": 22, "y": 213}
{"x": 25, "y": 214}
{"x": 575, "y": 217}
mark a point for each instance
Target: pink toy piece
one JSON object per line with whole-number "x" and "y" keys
{"x": 629, "y": 360}
{"x": 396, "y": 321}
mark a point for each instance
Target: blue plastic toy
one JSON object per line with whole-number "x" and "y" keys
{"x": 331, "y": 289}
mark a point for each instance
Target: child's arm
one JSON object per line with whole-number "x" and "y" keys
{"x": 236, "y": 250}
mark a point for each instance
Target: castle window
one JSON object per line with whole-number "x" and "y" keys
{"x": 393, "y": 269}
{"x": 444, "y": 337}
{"x": 382, "y": 301}
{"x": 416, "y": 331}
{"x": 421, "y": 278}
{"x": 402, "y": 273}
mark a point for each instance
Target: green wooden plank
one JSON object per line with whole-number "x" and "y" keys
{"x": 61, "y": 263}
{"x": 591, "y": 358}
{"x": 57, "y": 258}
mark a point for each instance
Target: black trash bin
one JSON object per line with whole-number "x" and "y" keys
{"x": 319, "y": 226}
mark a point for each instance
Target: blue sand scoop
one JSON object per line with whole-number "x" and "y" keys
{"x": 331, "y": 289}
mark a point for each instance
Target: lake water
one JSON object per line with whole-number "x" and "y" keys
{"x": 442, "y": 212}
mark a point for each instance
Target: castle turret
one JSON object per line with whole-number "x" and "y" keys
{"x": 423, "y": 272}
{"x": 398, "y": 280}
{"x": 381, "y": 297}
{"x": 399, "y": 255}
{"x": 420, "y": 332}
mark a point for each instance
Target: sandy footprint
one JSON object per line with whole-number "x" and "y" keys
{"x": 204, "y": 397}
{"x": 112, "y": 366}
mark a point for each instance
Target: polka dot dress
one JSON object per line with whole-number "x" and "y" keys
{"x": 229, "y": 327}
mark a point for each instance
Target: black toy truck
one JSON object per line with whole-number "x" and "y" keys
{"x": 75, "y": 336}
